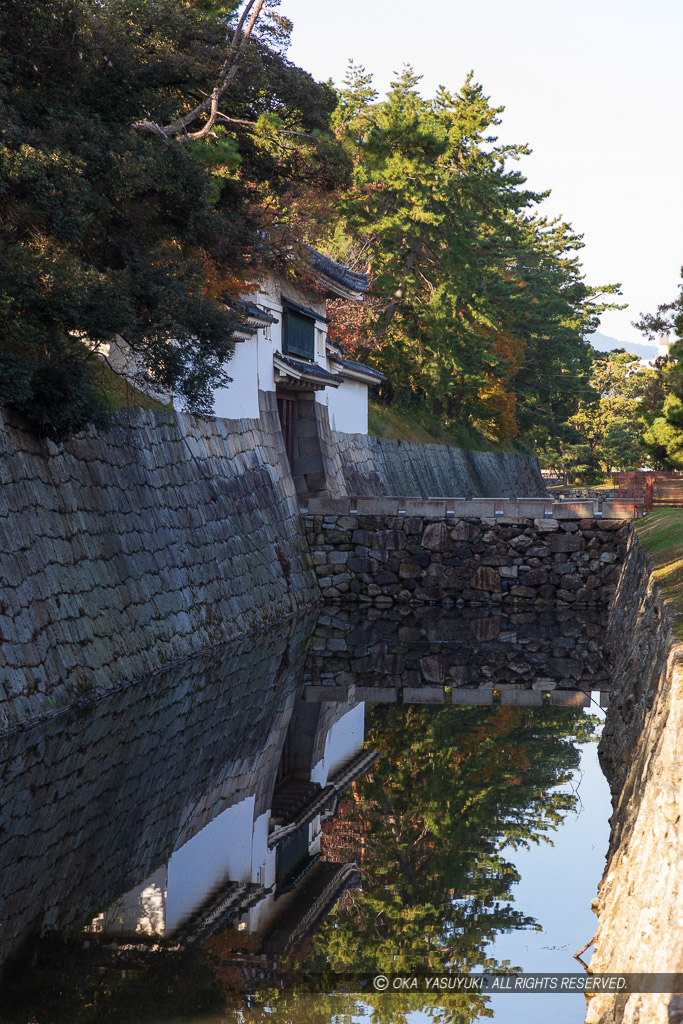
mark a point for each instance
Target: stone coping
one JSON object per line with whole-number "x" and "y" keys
{"x": 467, "y": 696}
{"x": 442, "y": 508}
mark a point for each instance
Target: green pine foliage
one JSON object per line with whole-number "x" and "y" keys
{"x": 478, "y": 306}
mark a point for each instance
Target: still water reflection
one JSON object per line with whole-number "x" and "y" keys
{"x": 223, "y": 841}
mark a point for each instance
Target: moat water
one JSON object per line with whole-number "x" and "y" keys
{"x": 260, "y": 833}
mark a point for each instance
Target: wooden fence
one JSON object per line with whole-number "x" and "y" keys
{"x": 646, "y": 491}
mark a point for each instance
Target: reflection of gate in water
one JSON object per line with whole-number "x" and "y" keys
{"x": 644, "y": 491}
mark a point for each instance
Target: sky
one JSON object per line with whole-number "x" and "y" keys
{"x": 594, "y": 87}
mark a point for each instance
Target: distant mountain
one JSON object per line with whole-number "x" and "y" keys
{"x": 603, "y": 343}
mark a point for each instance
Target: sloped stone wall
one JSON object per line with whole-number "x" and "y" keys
{"x": 371, "y": 466}
{"x": 640, "y": 900}
{"x": 124, "y": 551}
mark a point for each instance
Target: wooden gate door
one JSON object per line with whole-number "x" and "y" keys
{"x": 286, "y": 407}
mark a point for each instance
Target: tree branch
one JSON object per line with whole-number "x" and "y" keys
{"x": 241, "y": 123}
{"x": 178, "y": 129}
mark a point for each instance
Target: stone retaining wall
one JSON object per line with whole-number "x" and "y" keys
{"x": 543, "y": 563}
{"x": 640, "y": 902}
{"x": 417, "y": 653}
{"x": 124, "y": 551}
{"x": 372, "y": 466}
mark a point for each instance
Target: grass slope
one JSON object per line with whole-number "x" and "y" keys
{"x": 661, "y": 534}
{"x": 417, "y": 424}
{"x": 118, "y": 393}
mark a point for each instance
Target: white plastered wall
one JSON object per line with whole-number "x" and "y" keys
{"x": 222, "y": 851}
{"x": 345, "y": 738}
{"x": 348, "y": 407}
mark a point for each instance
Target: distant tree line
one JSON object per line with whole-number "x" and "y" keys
{"x": 632, "y": 417}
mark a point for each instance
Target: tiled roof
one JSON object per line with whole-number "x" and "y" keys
{"x": 362, "y": 368}
{"x": 309, "y": 370}
{"x": 338, "y": 273}
{"x": 251, "y": 311}
{"x": 256, "y": 313}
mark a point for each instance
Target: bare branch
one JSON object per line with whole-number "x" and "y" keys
{"x": 178, "y": 129}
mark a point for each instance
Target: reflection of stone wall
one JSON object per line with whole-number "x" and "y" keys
{"x": 123, "y": 551}
{"x": 94, "y": 801}
{"x": 549, "y": 563}
{"x": 404, "y": 648}
{"x": 640, "y": 903}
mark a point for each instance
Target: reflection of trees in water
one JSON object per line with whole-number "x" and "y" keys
{"x": 455, "y": 788}
{"x": 430, "y": 826}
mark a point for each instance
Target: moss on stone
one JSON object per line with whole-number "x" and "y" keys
{"x": 661, "y": 534}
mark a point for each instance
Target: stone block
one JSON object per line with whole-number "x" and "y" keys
{"x": 484, "y": 695}
{"x": 534, "y": 578}
{"x": 458, "y": 675}
{"x": 424, "y": 695}
{"x": 573, "y": 510}
{"x": 544, "y": 684}
{"x": 377, "y": 694}
{"x": 563, "y": 543}
{"x": 433, "y": 668}
{"x": 431, "y": 595}
{"x": 388, "y": 540}
{"x": 486, "y": 579}
{"x": 564, "y": 667}
{"x": 335, "y": 693}
{"x": 486, "y": 628}
{"x": 337, "y": 557}
{"x": 409, "y": 571}
{"x": 527, "y": 508}
{"x": 435, "y": 537}
{"x": 570, "y": 698}
{"x": 328, "y": 506}
{"x": 430, "y": 508}
{"x": 377, "y": 506}
{"x": 546, "y": 525}
{"x": 521, "y": 698}
{"x": 464, "y": 532}
{"x": 364, "y": 565}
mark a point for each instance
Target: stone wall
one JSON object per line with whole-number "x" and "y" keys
{"x": 414, "y": 653}
{"x": 640, "y": 902}
{"x": 543, "y": 563}
{"x": 124, "y": 551}
{"x": 364, "y": 465}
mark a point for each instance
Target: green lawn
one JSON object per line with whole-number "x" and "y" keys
{"x": 661, "y": 534}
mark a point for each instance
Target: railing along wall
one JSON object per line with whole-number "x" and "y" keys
{"x": 457, "y": 508}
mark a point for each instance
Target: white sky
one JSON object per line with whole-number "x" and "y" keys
{"x": 594, "y": 86}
